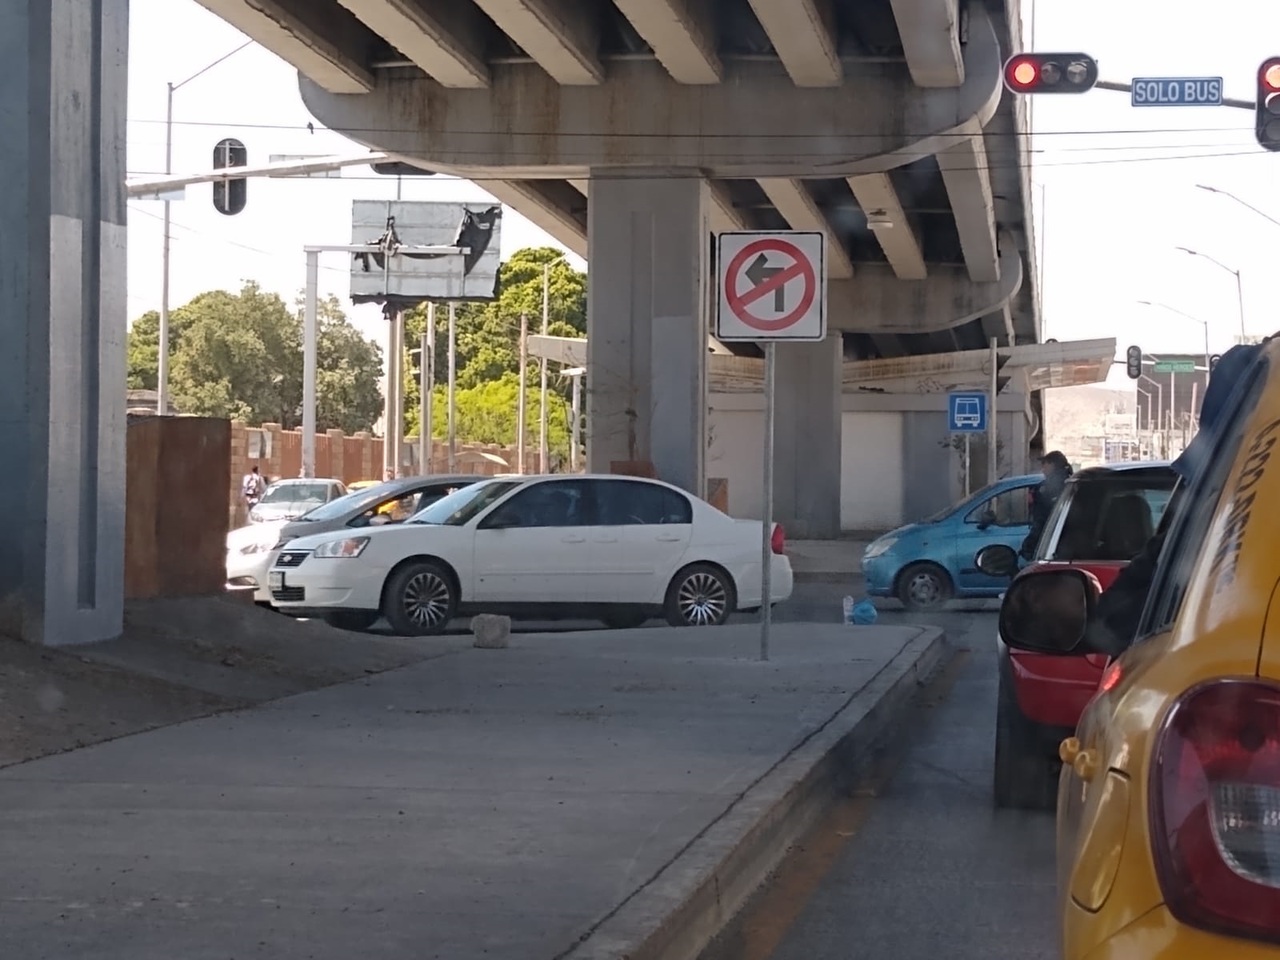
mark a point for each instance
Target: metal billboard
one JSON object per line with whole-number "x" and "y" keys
{"x": 411, "y": 278}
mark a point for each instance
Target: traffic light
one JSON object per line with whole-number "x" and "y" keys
{"x": 1133, "y": 362}
{"x": 1267, "y": 109}
{"x": 394, "y": 168}
{"x": 229, "y": 196}
{"x": 1050, "y": 72}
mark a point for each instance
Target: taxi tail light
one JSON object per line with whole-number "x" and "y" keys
{"x": 1215, "y": 808}
{"x": 778, "y": 539}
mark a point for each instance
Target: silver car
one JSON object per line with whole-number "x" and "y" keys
{"x": 287, "y": 499}
{"x": 251, "y": 550}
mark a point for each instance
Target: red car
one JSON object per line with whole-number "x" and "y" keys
{"x": 1102, "y": 520}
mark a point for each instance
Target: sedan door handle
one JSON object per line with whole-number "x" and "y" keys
{"x": 572, "y": 539}
{"x": 664, "y": 538}
{"x": 606, "y": 540}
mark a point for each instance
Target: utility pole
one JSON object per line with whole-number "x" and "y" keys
{"x": 162, "y": 353}
{"x": 427, "y": 385}
{"x": 453, "y": 387}
{"x": 520, "y": 400}
{"x": 574, "y": 427}
{"x": 393, "y": 412}
{"x": 542, "y": 362}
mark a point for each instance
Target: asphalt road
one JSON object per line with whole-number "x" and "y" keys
{"x": 919, "y": 865}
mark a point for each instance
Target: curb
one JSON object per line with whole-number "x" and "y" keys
{"x": 681, "y": 910}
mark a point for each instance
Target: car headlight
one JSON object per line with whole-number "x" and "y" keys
{"x": 341, "y": 549}
{"x": 259, "y": 546}
{"x": 280, "y": 544}
{"x": 877, "y": 547}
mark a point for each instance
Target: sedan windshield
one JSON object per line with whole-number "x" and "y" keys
{"x": 461, "y": 505}
{"x": 297, "y": 493}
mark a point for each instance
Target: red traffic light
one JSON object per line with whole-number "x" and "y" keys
{"x": 1050, "y": 72}
{"x": 1267, "y": 111}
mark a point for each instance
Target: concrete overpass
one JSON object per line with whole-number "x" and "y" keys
{"x": 632, "y": 129}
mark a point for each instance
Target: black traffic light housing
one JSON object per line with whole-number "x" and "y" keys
{"x": 1133, "y": 362}
{"x": 1267, "y": 110}
{"x": 1050, "y": 73}
{"x": 230, "y": 196}
{"x": 395, "y": 168}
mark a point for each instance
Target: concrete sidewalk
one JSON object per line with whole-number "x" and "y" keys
{"x": 584, "y": 795}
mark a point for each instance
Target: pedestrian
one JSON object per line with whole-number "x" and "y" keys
{"x": 252, "y": 487}
{"x": 1057, "y": 470}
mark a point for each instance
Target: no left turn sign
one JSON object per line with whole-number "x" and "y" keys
{"x": 772, "y": 286}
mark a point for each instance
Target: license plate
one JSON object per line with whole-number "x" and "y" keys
{"x": 275, "y": 580}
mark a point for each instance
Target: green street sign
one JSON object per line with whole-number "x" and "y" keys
{"x": 1175, "y": 366}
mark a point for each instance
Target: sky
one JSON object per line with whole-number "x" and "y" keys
{"x": 1116, "y": 186}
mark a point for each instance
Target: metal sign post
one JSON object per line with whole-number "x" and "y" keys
{"x": 967, "y": 414}
{"x": 993, "y": 424}
{"x": 772, "y": 287}
{"x": 766, "y": 541}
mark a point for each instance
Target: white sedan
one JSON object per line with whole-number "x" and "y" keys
{"x": 618, "y": 549}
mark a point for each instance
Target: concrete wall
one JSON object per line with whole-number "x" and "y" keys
{"x": 175, "y": 529}
{"x": 898, "y": 462}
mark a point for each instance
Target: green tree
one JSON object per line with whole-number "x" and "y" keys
{"x": 487, "y": 413}
{"x": 488, "y": 335}
{"x": 239, "y": 355}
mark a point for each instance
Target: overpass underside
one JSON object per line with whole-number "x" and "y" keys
{"x": 632, "y": 130}
{"x": 629, "y": 129}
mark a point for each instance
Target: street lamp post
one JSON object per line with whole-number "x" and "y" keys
{"x": 1203, "y": 323}
{"x": 1243, "y": 203}
{"x": 162, "y": 352}
{"x": 543, "y": 452}
{"x": 1239, "y": 284}
{"x": 1159, "y": 410}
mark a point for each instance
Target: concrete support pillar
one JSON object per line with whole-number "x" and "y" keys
{"x": 807, "y": 434}
{"x": 62, "y": 318}
{"x": 647, "y": 324}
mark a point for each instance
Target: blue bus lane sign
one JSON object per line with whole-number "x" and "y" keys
{"x": 1176, "y": 92}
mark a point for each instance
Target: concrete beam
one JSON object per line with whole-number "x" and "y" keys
{"x": 804, "y": 36}
{"x": 1000, "y": 326}
{"x": 876, "y": 196}
{"x": 445, "y": 39}
{"x": 536, "y": 202}
{"x": 793, "y": 201}
{"x": 930, "y": 31}
{"x": 879, "y": 303}
{"x": 723, "y": 216}
{"x": 681, "y": 35}
{"x": 328, "y": 45}
{"x": 582, "y": 186}
{"x": 528, "y": 126}
{"x": 968, "y": 180}
{"x": 561, "y": 35}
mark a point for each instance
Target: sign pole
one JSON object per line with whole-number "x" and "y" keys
{"x": 968, "y": 487}
{"x": 766, "y": 539}
{"x": 993, "y": 423}
{"x": 427, "y": 389}
{"x": 309, "y": 337}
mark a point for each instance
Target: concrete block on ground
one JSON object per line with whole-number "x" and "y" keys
{"x": 492, "y": 631}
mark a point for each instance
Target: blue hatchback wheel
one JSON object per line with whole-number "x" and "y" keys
{"x": 924, "y": 586}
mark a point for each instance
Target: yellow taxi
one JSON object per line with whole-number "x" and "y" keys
{"x": 1169, "y": 796}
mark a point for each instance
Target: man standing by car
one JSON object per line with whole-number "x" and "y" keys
{"x": 251, "y": 487}
{"x": 1056, "y": 470}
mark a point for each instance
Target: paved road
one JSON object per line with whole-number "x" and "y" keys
{"x": 925, "y": 868}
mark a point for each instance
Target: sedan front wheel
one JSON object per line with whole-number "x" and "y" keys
{"x": 700, "y": 596}
{"x": 420, "y": 599}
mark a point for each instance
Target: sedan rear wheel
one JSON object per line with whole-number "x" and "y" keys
{"x": 700, "y": 596}
{"x": 420, "y": 600}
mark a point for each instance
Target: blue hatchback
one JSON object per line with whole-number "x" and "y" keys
{"x": 927, "y": 563}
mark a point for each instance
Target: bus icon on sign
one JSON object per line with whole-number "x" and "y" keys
{"x": 968, "y": 412}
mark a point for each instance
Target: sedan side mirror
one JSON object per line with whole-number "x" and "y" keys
{"x": 996, "y": 560}
{"x": 1049, "y": 612}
